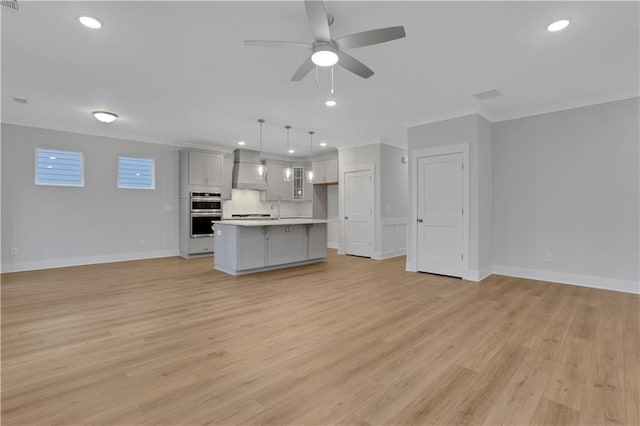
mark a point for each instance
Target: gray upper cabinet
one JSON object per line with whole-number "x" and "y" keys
{"x": 331, "y": 170}
{"x": 326, "y": 171}
{"x": 205, "y": 169}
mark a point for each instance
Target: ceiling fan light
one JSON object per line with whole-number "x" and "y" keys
{"x": 324, "y": 58}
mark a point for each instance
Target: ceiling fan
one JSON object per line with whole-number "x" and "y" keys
{"x": 326, "y": 51}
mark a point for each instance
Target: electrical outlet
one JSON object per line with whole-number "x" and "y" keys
{"x": 141, "y": 241}
{"x": 548, "y": 258}
{"x": 14, "y": 251}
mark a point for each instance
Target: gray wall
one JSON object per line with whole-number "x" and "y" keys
{"x": 394, "y": 194}
{"x": 485, "y": 196}
{"x": 59, "y": 226}
{"x": 566, "y": 183}
{"x": 393, "y": 183}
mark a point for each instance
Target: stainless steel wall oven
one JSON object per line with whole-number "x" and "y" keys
{"x": 206, "y": 207}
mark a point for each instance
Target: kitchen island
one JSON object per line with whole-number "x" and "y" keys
{"x": 248, "y": 246}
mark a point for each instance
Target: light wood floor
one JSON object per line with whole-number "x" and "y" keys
{"x": 348, "y": 341}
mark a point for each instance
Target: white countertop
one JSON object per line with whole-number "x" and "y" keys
{"x": 271, "y": 222}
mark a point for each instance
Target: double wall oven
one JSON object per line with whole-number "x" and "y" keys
{"x": 205, "y": 208}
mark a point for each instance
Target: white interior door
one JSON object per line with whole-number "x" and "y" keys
{"x": 440, "y": 214}
{"x": 358, "y": 213}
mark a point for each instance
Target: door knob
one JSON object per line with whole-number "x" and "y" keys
{"x": 346, "y": 217}
{"x": 420, "y": 220}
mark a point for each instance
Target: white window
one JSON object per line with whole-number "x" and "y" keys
{"x": 64, "y": 168}
{"x": 136, "y": 173}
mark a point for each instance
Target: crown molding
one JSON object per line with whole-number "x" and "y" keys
{"x": 566, "y": 105}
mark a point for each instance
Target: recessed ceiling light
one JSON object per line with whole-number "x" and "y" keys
{"x": 323, "y": 144}
{"x": 90, "y": 22}
{"x": 241, "y": 142}
{"x": 558, "y": 25}
{"x": 291, "y": 151}
{"x": 105, "y": 116}
{"x": 330, "y": 103}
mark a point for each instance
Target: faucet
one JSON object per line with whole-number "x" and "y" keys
{"x": 277, "y": 198}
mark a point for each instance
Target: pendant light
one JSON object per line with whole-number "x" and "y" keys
{"x": 261, "y": 170}
{"x": 287, "y": 172}
{"x": 311, "y": 174}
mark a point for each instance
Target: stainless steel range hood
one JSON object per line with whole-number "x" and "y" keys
{"x": 245, "y": 163}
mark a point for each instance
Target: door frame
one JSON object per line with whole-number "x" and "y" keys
{"x": 414, "y": 156}
{"x": 364, "y": 167}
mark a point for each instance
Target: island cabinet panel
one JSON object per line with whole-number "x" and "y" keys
{"x": 286, "y": 244}
{"x": 252, "y": 251}
{"x": 317, "y": 241}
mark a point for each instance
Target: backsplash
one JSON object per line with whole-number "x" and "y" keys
{"x": 245, "y": 201}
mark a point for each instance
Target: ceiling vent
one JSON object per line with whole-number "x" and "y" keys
{"x": 20, "y": 100}
{"x": 483, "y": 96}
{"x": 10, "y": 5}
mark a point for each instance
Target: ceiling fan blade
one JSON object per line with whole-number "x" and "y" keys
{"x": 317, "y": 16}
{"x": 367, "y": 38}
{"x": 350, "y": 63}
{"x": 275, "y": 43}
{"x": 304, "y": 69}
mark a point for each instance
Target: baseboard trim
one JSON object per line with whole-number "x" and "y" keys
{"x": 333, "y": 245}
{"x": 79, "y": 261}
{"x": 480, "y": 275}
{"x": 602, "y": 283}
{"x": 389, "y": 254}
{"x": 410, "y": 267}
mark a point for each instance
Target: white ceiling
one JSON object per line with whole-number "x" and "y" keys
{"x": 178, "y": 73}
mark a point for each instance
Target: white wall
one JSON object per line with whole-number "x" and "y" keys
{"x": 247, "y": 201}
{"x": 60, "y": 226}
{"x": 567, "y": 183}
